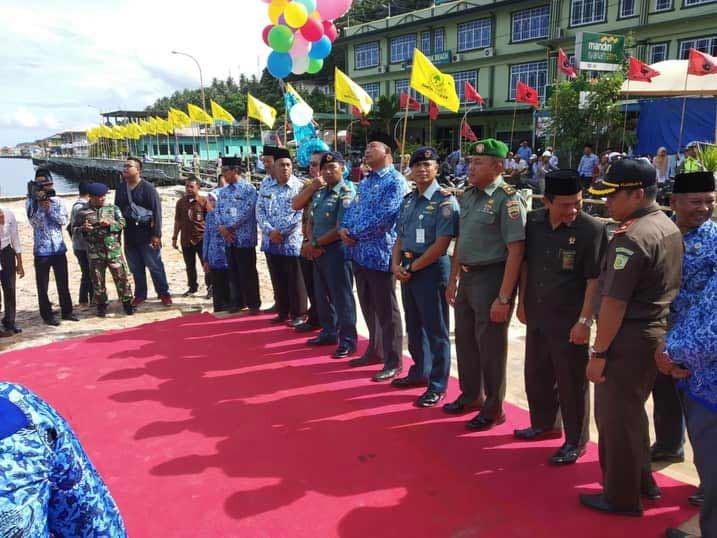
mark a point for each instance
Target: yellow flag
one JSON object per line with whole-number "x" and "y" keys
{"x": 347, "y": 91}
{"x": 105, "y": 132}
{"x": 261, "y": 111}
{"x": 220, "y": 114}
{"x": 133, "y": 131}
{"x": 179, "y": 118}
{"x": 198, "y": 115}
{"x": 92, "y": 135}
{"x": 427, "y": 80}
{"x": 162, "y": 127}
{"x": 149, "y": 128}
{"x": 290, "y": 89}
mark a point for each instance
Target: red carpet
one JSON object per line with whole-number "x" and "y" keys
{"x": 223, "y": 428}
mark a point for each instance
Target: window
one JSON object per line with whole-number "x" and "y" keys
{"x": 439, "y": 40}
{"x": 657, "y": 52}
{"x": 690, "y": 3}
{"x": 702, "y": 44}
{"x": 534, "y": 74}
{"x": 426, "y": 42}
{"x": 662, "y": 5}
{"x": 474, "y": 35}
{"x": 402, "y": 48}
{"x": 366, "y": 55}
{"x": 530, "y": 24}
{"x": 403, "y": 86}
{"x": 586, "y": 12}
{"x": 461, "y": 78}
{"x": 373, "y": 89}
{"x": 628, "y": 8}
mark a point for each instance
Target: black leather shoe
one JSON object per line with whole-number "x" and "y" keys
{"x": 70, "y": 317}
{"x": 189, "y": 293}
{"x": 566, "y": 455}
{"x": 253, "y": 312}
{"x": 677, "y": 533}
{"x": 536, "y": 434}
{"x": 13, "y": 328}
{"x": 307, "y": 327}
{"x": 52, "y": 321}
{"x": 273, "y": 309}
{"x": 277, "y": 319}
{"x": 597, "y": 502}
{"x": 481, "y": 423}
{"x": 653, "y": 493}
{"x": 343, "y": 351}
{"x": 128, "y": 308}
{"x": 386, "y": 374}
{"x": 429, "y": 398}
{"x": 407, "y": 382}
{"x": 321, "y": 341}
{"x": 102, "y": 310}
{"x": 295, "y": 322}
{"x": 698, "y": 499}
{"x": 365, "y": 360}
{"x": 459, "y": 407}
{"x": 658, "y": 454}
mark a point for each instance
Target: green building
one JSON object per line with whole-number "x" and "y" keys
{"x": 494, "y": 44}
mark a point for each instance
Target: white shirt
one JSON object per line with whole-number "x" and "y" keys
{"x": 9, "y": 234}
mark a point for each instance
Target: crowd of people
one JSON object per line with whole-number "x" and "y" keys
{"x": 651, "y": 289}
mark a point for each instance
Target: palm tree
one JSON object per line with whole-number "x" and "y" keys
{"x": 385, "y": 108}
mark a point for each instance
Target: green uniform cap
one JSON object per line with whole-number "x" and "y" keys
{"x": 488, "y": 146}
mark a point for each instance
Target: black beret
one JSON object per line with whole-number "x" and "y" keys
{"x": 423, "y": 154}
{"x": 694, "y": 182}
{"x": 562, "y": 182}
{"x": 232, "y": 161}
{"x": 96, "y": 189}
{"x": 384, "y": 138}
{"x": 331, "y": 157}
{"x": 626, "y": 174}
{"x": 281, "y": 153}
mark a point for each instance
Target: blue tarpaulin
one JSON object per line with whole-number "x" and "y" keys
{"x": 659, "y": 123}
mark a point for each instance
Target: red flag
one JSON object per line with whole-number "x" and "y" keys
{"x": 467, "y": 132}
{"x": 640, "y": 71}
{"x": 433, "y": 111}
{"x": 526, "y": 94}
{"x": 564, "y": 66}
{"x": 348, "y": 137}
{"x": 410, "y": 102}
{"x": 357, "y": 112}
{"x": 470, "y": 93}
{"x": 701, "y": 64}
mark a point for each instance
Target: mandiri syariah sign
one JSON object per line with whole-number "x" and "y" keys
{"x": 599, "y": 52}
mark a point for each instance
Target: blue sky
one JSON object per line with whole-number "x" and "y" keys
{"x": 61, "y": 61}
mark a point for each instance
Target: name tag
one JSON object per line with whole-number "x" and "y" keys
{"x": 567, "y": 258}
{"x": 233, "y": 211}
{"x": 420, "y": 236}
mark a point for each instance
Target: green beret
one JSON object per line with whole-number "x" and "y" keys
{"x": 488, "y": 146}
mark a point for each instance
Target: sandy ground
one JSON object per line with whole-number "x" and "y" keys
{"x": 36, "y": 333}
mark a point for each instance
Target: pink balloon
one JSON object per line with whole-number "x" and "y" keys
{"x": 313, "y": 30}
{"x": 332, "y": 9}
{"x": 301, "y": 46}
{"x": 265, "y": 33}
{"x": 330, "y": 30}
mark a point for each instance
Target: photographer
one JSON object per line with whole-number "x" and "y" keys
{"x": 48, "y": 217}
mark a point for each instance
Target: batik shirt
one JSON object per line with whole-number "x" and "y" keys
{"x": 48, "y": 486}
{"x": 47, "y": 227}
{"x": 371, "y": 218}
{"x": 692, "y": 339}
{"x": 214, "y": 248}
{"x": 235, "y": 210}
{"x": 273, "y": 212}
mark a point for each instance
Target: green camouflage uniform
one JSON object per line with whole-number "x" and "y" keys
{"x": 104, "y": 249}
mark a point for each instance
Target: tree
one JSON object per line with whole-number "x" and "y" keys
{"x": 384, "y": 109}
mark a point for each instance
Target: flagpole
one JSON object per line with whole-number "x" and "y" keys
{"x": 512, "y": 129}
{"x": 405, "y": 128}
{"x": 336, "y": 132}
{"x": 248, "y": 149}
{"x": 624, "y": 120}
{"x": 684, "y": 104}
{"x": 557, "y": 112}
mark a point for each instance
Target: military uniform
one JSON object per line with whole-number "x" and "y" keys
{"x": 490, "y": 219}
{"x": 642, "y": 268}
{"x": 104, "y": 249}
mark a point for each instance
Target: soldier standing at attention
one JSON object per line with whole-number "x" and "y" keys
{"x": 640, "y": 277}
{"x": 427, "y": 224}
{"x": 563, "y": 250}
{"x": 101, "y": 225}
{"x": 486, "y": 260}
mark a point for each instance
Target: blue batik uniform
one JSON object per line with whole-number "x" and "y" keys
{"x": 48, "y": 486}
{"x": 235, "y": 210}
{"x": 333, "y": 277}
{"x": 47, "y": 227}
{"x": 273, "y": 212}
{"x": 371, "y": 218}
{"x": 423, "y": 219}
{"x": 214, "y": 248}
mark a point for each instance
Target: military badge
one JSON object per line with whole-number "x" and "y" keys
{"x": 328, "y": 157}
{"x": 447, "y": 210}
{"x": 427, "y": 155}
{"x": 480, "y": 148}
{"x": 571, "y": 240}
{"x": 513, "y": 207}
{"x": 620, "y": 261}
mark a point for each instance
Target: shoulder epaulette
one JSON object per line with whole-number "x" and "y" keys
{"x": 307, "y": 182}
{"x": 624, "y": 226}
{"x": 508, "y": 188}
{"x": 410, "y": 193}
{"x": 445, "y": 192}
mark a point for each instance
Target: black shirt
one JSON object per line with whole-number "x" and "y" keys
{"x": 560, "y": 262}
{"x": 144, "y": 195}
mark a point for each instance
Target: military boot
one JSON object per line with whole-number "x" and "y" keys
{"x": 128, "y": 308}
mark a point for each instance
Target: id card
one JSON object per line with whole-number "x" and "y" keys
{"x": 233, "y": 211}
{"x": 420, "y": 236}
{"x": 567, "y": 259}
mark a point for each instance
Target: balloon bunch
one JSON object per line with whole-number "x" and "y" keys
{"x": 301, "y": 34}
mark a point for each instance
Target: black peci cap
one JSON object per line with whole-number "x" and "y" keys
{"x": 232, "y": 162}
{"x": 694, "y": 182}
{"x": 562, "y": 182}
{"x": 281, "y": 153}
{"x": 626, "y": 174}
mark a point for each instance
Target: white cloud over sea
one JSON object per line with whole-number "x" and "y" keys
{"x": 62, "y": 61}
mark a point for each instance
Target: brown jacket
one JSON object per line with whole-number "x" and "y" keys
{"x": 189, "y": 218}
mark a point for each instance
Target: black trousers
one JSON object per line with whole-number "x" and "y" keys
{"x": 379, "y": 305}
{"x": 58, "y": 264}
{"x": 307, "y": 270}
{"x": 289, "y": 285}
{"x": 668, "y": 414}
{"x": 221, "y": 297}
{"x": 7, "y": 278}
{"x": 555, "y": 382}
{"x": 243, "y": 277}
{"x": 86, "y": 293}
{"x": 192, "y": 253}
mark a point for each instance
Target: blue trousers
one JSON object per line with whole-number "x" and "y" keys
{"x": 333, "y": 290}
{"x": 143, "y": 257}
{"x": 427, "y": 324}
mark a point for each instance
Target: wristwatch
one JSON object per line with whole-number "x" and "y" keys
{"x": 597, "y": 354}
{"x": 502, "y": 299}
{"x": 588, "y": 322}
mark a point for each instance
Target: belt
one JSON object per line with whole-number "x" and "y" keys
{"x": 472, "y": 268}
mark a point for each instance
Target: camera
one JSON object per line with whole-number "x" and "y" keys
{"x": 40, "y": 190}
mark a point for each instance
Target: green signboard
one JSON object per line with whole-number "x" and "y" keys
{"x": 440, "y": 57}
{"x": 599, "y": 52}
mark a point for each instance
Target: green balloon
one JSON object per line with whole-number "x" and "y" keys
{"x": 281, "y": 38}
{"x": 315, "y": 66}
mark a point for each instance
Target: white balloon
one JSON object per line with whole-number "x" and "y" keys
{"x": 301, "y": 64}
{"x": 301, "y": 114}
